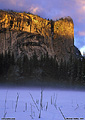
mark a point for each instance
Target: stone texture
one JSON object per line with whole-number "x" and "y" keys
{"x": 64, "y": 37}
{"x": 25, "y": 33}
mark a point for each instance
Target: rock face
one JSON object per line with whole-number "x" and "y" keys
{"x": 77, "y": 53}
{"x": 24, "y": 33}
{"x": 64, "y": 37}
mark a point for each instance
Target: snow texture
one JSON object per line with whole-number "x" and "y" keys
{"x": 41, "y": 104}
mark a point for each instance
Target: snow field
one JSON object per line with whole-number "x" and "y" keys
{"x": 41, "y": 104}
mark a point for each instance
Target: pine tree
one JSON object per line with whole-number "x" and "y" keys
{"x": 12, "y": 59}
{"x": 25, "y": 65}
{"x": 83, "y": 72}
{"x": 71, "y": 70}
{"x": 35, "y": 60}
{"x": 1, "y": 64}
{"x": 78, "y": 78}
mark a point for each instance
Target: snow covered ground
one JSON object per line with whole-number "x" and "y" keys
{"x": 41, "y": 104}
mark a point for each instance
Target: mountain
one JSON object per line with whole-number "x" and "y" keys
{"x": 24, "y": 33}
{"x": 36, "y": 51}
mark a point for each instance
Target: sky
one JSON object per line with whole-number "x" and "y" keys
{"x": 54, "y": 9}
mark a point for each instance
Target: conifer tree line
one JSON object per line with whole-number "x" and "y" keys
{"x": 6, "y": 60}
{"x": 48, "y": 69}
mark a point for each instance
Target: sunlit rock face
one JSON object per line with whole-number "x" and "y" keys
{"x": 64, "y": 37}
{"x": 25, "y": 33}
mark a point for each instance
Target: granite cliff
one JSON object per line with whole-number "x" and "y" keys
{"x": 24, "y": 33}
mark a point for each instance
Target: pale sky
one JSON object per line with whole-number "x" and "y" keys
{"x": 54, "y": 9}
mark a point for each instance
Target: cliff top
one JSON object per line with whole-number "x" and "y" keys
{"x": 21, "y": 14}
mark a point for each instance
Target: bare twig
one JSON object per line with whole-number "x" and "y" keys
{"x": 51, "y": 100}
{"x": 34, "y": 101}
{"x": 5, "y": 105}
{"x": 41, "y": 106}
{"x": 76, "y": 107}
{"x": 62, "y": 113}
{"x": 5, "y": 114}
{"x": 32, "y": 112}
{"x": 16, "y": 102}
{"x": 47, "y": 106}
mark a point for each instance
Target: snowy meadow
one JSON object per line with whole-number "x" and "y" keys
{"x": 41, "y": 104}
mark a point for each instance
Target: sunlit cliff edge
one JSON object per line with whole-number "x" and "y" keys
{"x": 24, "y": 33}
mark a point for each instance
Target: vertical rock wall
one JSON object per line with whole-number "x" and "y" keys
{"x": 58, "y": 35}
{"x": 64, "y": 37}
